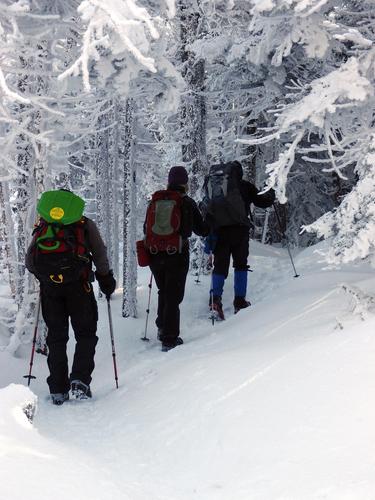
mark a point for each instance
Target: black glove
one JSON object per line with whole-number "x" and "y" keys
{"x": 107, "y": 283}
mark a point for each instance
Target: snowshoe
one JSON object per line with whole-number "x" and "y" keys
{"x": 59, "y": 398}
{"x": 167, "y": 347}
{"x": 80, "y": 390}
{"x": 240, "y": 303}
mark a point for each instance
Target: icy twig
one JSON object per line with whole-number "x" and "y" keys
{"x": 362, "y": 303}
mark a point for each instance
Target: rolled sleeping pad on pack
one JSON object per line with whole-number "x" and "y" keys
{"x": 60, "y": 206}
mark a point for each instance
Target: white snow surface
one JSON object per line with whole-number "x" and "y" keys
{"x": 275, "y": 403}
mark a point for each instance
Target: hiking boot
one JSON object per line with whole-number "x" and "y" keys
{"x": 80, "y": 390}
{"x": 240, "y": 303}
{"x": 59, "y": 398}
{"x": 216, "y": 307}
{"x": 167, "y": 346}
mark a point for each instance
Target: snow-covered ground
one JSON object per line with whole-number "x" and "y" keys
{"x": 275, "y": 403}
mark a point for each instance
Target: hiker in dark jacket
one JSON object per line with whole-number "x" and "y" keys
{"x": 170, "y": 269}
{"x": 233, "y": 241}
{"x": 74, "y": 300}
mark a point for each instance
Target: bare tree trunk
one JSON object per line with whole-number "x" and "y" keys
{"x": 7, "y": 237}
{"x": 32, "y": 162}
{"x": 106, "y": 189}
{"x": 193, "y": 112}
{"x": 115, "y": 173}
{"x": 24, "y": 206}
{"x": 250, "y": 152}
{"x": 129, "y": 303}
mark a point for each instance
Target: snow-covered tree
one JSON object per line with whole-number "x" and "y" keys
{"x": 323, "y": 114}
{"x": 122, "y": 53}
{"x": 61, "y": 130}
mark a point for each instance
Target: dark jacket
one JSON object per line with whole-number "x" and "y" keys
{"x": 192, "y": 220}
{"x": 250, "y": 195}
{"x": 95, "y": 246}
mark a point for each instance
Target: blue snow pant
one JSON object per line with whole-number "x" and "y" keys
{"x": 233, "y": 241}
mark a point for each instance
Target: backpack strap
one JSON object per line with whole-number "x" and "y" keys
{"x": 82, "y": 240}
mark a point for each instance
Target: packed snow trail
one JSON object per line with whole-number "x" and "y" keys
{"x": 275, "y": 403}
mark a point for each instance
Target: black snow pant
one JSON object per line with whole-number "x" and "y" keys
{"x": 59, "y": 303}
{"x": 170, "y": 276}
{"x": 232, "y": 241}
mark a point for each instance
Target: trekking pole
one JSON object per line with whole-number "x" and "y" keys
{"x": 112, "y": 339}
{"x": 200, "y": 268}
{"x": 286, "y": 240}
{"x": 265, "y": 227}
{"x": 212, "y": 293}
{"x": 145, "y": 338}
{"x": 29, "y": 376}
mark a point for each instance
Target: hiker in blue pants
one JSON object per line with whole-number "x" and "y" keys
{"x": 227, "y": 205}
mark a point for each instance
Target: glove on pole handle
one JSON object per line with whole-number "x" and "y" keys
{"x": 145, "y": 338}
{"x": 108, "y": 297}
{"x": 286, "y": 240}
{"x": 29, "y": 376}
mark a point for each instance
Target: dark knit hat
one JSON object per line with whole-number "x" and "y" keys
{"x": 178, "y": 176}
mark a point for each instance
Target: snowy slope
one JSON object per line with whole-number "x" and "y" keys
{"x": 275, "y": 403}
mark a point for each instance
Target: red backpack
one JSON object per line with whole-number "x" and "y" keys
{"x": 60, "y": 253}
{"x": 163, "y": 223}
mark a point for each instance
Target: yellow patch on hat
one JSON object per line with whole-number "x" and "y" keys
{"x": 57, "y": 213}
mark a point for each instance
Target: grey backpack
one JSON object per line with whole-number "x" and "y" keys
{"x": 223, "y": 202}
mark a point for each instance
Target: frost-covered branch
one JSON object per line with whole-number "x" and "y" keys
{"x": 14, "y": 96}
{"x": 352, "y": 225}
{"x": 120, "y": 26}
{"x": 279, "y": 170}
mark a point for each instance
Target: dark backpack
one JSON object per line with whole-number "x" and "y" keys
{"x": 163, "y": 222}
{"x": 224, "y": 205}
{"x": 60, "y": 253}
